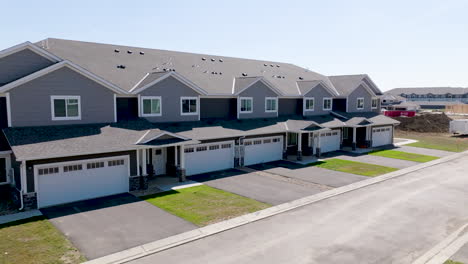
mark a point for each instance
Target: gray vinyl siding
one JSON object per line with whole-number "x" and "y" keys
{"x": 20, "y": 64}
{"x": 259, "y": 91}
{"x": 170, "y": 90}
{"x": 31, "y": 102}
{"x": 30, "y": 164}
{"x": 218, "y": 107}
{"x": 357, "y": 93}
{"x": 290, "y": 107}
{"x": 318, "y": 93}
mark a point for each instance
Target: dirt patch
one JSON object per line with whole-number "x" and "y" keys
{"x": 425, "y": 122}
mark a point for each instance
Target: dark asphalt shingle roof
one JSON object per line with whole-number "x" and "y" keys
{"x": 374, "y": 118}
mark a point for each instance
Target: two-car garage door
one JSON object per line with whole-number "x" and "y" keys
{"x": 261, "y": 150}
{"x": 209, "y": 157}
{"x": 381, "y": 136}
{"x": 59, "y": 183}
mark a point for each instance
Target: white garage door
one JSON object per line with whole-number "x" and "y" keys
{"x": 330, "y": 141}
{"x": 209, "y": 157}
{"x": 59, "y": 183}
{"x": 261, "y": 150}
{"x": 381, "y": 136}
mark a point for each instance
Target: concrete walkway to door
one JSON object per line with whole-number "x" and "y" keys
{"x": 107, "y": 225}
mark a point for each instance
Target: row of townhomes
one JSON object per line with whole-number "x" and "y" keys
{"x": 82, "y": 120}
{"x": 427, "y": 97}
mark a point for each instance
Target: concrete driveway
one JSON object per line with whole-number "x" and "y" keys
{"x": 102, "y": 226}
{"x": 261, "y": 188}
{"x": 310, "y": 174}
{"x": 425, "y": 151}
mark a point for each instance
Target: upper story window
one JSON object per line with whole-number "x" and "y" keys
{"x": 360, "y": 103}
{"x": 309, "y": 104}
{"x": 271, "y": 104}
{"x": 375, "y": 103}
{"x": 151, "y": 106}
{"x": 189, "y": 105}
{"x": 246, "y": 104}
{"x": 327, "y": 104}
{"x": 66, "y": 107}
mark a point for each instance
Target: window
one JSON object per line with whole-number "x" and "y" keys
{"x": 66, "y": 107}
{"x": 327, "y": 104}
{"x": 246, "y": 105}
{"x": 151, "y": 106}
{"x": 271, "y": 104}
{"x": 112, "y": 163}
{"x": 71, "y": 168}
{"x": 189, "y": 150}
{"x": 375, "y": 103}
{"x": 189, "y": 106}
{"x": 309, "y": 104}
{"x": 360, "y": 103}
{"x": 276, "y": 140}
{"x": 95, "y": 165}
{"x": 202, "y": 148}
{"x": 46, "y": 171}
{"x": 257, "y": 142}
{"x": 214, "y": 147}
{"x": 266, "y": 141}
{"x": 224, "y": 146}
{"x": 248, "y": 143}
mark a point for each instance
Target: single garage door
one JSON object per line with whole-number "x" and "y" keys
{"x": 330, "y": 141}
{"x": 210, "y": 157}
{"x": 59, "y": 183}
{"x": 381, "y": 136}
{"x": 261, "y": 150}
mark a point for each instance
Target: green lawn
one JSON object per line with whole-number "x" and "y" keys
{"x": 35, "y": 240}
{"x": 203, "y": 205}
{"x": 394, "y": 154}
{"x": 354, "y": 167}
{"x": 452, "y": 262}
{"x": 438, "y": 141}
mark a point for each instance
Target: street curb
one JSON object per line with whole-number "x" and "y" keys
{"x": 4, "y": 219}
{"x": 180, "y": 239}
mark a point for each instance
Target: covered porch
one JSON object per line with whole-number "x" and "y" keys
{"x": 357, "y": 137}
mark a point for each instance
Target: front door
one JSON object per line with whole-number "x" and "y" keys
{"x": 159, "y": 161}
{"x": 3, "y": 174}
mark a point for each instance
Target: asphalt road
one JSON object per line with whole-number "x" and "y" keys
{"x": 395, "y": 221}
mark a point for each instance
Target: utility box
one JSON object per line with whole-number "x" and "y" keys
{"x": 459, "y": 126}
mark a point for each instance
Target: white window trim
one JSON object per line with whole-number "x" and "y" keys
{"x": 305, "y": 105}
{"x": 64, "y": 97}
{"x": 372, "y": 101}
{"x": 276, "y": 104}
{"x": 240, "y": 105}
{"x": 357, "y": 103}
{"x": 331, "y": 103}
{"x": 150, "y": 97}
{"x": 189, "y": 98}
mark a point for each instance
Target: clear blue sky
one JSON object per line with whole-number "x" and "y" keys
{"x": 398, "y": 43}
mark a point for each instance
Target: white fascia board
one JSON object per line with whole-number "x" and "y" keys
{"x": 60, "y": 65}
{"x": 33, "y": 48}
{"x": 140, "y": 141}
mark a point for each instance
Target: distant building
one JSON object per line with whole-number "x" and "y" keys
{"x": 427, "y": 97}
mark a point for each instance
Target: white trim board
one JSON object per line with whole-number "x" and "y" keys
{"x": 31, "y": 47}
{"x": 197, "y": 101}
{"x": 64, "y": 97}
{"x": 57, "y": 66}
{"x": 264, "y": 81}
{"x": 176, "y": 75}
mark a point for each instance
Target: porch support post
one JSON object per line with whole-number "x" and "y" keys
{"x": 176, "y": 156}
{"x": 354, "y": 139}
{"x": 319, "y": 144}
{"x": 285, "y": 148}
{"x": 299, "y": 146}
{"x": 143, "y": 161}
{"x": 181, "y": 171}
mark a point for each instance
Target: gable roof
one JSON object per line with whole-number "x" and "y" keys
{"x": 153, "y": 134}
{"x": 31, "y": 47}
{"x": 306, "y": 86}
{"x": 55, "y": 67}
{"x": 346, "y": 84}
{"x": 241, "y": 84}
{"x": 153, "y": 78}
{"x": 214, "y": 74}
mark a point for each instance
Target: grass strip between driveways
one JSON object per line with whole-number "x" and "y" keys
{"x": 204, "y": 205}
{"x": 452, "y": 262}
{"x": 394, "y": 154}
{"x": 354, "y": 167}
{"x": 36, "y": 240}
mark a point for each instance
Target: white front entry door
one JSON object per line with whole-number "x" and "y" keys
{"x": 209, "y": 157}
{"x": 59, "y": 183}
{"x": 330, "y": 141}
{"x": 261, "y": 150}
{"x": 159, "y": 161}
{"x": 381, "y": 136}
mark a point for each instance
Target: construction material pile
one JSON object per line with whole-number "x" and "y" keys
{"x": 425, "y": 122}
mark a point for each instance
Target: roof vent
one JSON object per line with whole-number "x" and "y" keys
{"x": 279, "y": 77}
{"x": 277, "y": 65}
{"x": 205, "y": 71}
{"x": 164, "y": 69}
{"x": 220, "y": 60}
{"x": 116, "y": 50}
{"x": 220, "y": 73}
{"x": 129, "y": 51}
{"x": 244, "y": 74}
{"x": 121, "y": 66}
{"x": 300, "y": 78}
{"x": 271, "y": 65}
{"x": 283, "y": 77}
{"x": 142, "y": 53}
{"x": 264, "y": 64}
{"x": 203, "y": 59}
{"x": 212, "y": 59}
